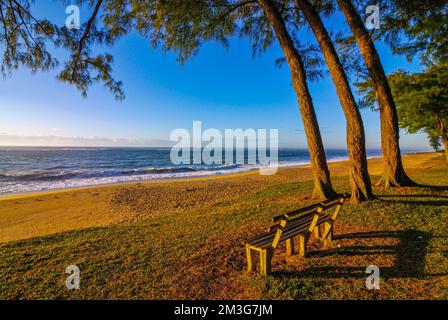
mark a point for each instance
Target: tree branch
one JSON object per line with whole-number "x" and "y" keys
{"x": 85, "y": 35}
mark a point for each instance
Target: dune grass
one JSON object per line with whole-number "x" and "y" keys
{"x": 196, "y": 251}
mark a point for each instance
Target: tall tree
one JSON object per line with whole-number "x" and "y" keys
{"x": 394, "y": 173}
{"x": 422, "y": 101}
{"x": 361, "y": 188}
{"x": 321, "y": 175}
{"x": 181, "y": 27}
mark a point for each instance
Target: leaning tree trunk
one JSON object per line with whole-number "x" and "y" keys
{"x": 321, "y": 175}
{"x": 443, "y": 133}
{"x": 394, "y": 174}
{"x": 361, "y": 187}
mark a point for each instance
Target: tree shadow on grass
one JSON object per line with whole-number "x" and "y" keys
{"x": 407, "y": 196}
{"x": 431, "y": 187}
{"x": 433, "y": 200}
{"x": 410, "y": 253}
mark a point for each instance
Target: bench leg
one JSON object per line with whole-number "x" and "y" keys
{"x": 302, "y": 245}
{"x": 250, "y": 258}
{"x": 289, "y": 247}
{"x": 316, "y": 232}
{"x": 329, "y": 236}
{"x": 328, "y": 233}
{"x": 265, "y": 261}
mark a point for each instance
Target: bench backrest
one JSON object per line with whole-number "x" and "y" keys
{"x": 325, "y": 205}
{"x": 311, "y": 214}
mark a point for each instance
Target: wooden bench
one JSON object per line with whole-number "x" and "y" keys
{"x": 315, "y": 220}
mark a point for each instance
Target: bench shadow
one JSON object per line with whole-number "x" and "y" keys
{"x": 410, "y": 253}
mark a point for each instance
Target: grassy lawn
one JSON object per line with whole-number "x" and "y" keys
{"x": 196, "y": 251}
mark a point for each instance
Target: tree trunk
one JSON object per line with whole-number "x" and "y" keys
{"x": 445, "y": 145}
{"x": 443, "y": 133}
{"x": 394, "y": 174}
{"x": 321, "y": 175}
{"x": 360, "y": 183}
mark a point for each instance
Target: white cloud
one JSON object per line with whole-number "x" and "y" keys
{"x": 56, "y": 141}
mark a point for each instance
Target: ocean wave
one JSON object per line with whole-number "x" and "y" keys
{"x": 35, "y": 176}
{"x": 180, "y": 169}
{"x": 50, "y": 174}
{"x": 161, "y": 170}
{"x": 16, "y": 186}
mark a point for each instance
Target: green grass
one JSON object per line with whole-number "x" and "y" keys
{"x": 198, "y": 254}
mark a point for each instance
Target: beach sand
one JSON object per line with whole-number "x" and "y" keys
{"x": 38, "y": 214}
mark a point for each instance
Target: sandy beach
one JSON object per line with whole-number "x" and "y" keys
{"x": 37, "y": 214}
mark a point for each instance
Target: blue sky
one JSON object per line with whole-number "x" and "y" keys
{"x": 224, "y": 88}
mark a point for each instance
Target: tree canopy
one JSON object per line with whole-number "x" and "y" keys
{"x": 31, "y": 42}
{"x": 179, "y": 26}
{"x": 414, "y": 28}
{"x": 421, "y": 99}
{"x": 418, "y": 28}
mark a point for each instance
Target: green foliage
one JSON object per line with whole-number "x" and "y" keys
{"x": 350, "y": 56}
{"x": 434, "y": 141}
{"x": 414, "y": 28}
{"x": 25, "y": 39}
{"x": 183, "y": 26}
{"x": 421, "y": 99}
{"x": 418, "y": 28}
{"x": 179, "y": 26}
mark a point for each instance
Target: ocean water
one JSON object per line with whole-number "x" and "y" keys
{"x": 30, "y": 169}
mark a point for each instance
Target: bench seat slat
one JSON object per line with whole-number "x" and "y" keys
{"x": 271, "y": 234}
{"x": 296, "y": 231}
{"x": 261, "y": 237}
